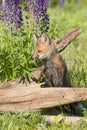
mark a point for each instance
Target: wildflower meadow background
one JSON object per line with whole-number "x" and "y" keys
{"x": 19, "y": 20}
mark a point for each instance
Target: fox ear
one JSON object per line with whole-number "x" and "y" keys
{"x": 35, "y": 37}
{"x": 44, "y": 38}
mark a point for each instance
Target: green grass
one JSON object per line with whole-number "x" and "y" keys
{"x": 34, "y": 121}
{"x": 16, "y": 60}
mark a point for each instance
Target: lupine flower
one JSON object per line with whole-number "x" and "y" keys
{"x": 40, "y": 14}
{"x": 11, "y": 12}
{"x": 61, "y": 2}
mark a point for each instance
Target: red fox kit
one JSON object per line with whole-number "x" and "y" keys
{"x": 55, "y": 69}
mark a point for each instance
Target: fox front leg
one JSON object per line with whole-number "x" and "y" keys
{"x": 47, "y": 82}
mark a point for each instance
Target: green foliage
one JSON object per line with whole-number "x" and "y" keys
{"x": 84, "y": 2}
{"x": 54, "y": 2}
{"x": 24, "y": 121}
{"x": 16, "y": 51}
{"x": 34, "y": 121}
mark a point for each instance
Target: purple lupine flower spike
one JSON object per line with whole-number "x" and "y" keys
{"x": 17, "y": 13}
{"x": 11, "y": 12}
{"x": 40, "y": 14}
{"x": 61, "y": 2}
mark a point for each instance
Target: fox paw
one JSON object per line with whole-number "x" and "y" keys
{"x": 43, "y": 85}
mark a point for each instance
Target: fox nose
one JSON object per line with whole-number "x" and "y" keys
{"x": 35, "y": 58}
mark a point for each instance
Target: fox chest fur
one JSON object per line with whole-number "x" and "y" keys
{"x": 56, "y": 72}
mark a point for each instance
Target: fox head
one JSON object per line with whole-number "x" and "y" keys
{"x": 43, "y": 47}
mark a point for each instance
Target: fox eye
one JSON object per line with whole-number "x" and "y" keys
{"x": 39, "y": 51}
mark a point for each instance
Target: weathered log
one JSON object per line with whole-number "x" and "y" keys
{"x": 63, "y": 42}
{"x": 34, "y": 98}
